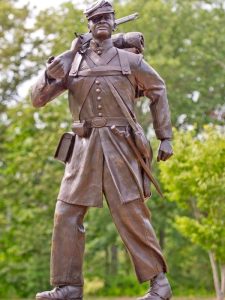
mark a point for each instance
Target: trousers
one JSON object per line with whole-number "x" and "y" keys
{"x": 132, "y": 221}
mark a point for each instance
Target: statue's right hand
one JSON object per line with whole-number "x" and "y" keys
{"x": 59, "y": 66}
{"x": 54, "y": 69}
{"x": 76, "y": 44}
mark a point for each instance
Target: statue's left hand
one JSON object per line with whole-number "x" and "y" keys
{"x": 165, "y": 150}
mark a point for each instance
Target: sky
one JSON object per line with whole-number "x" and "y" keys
{"x": 42, "y": 4}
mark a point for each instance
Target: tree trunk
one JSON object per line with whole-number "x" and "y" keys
{"x": 107, "y": 265}
{"x": 162, "y": 238}
{"x": 223, "y": 279}
{"x": 114, "y": 260}
{"x": 127, "y": 264}
{"x": 219, "y": 294}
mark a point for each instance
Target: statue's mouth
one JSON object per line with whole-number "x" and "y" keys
{"x": 102, "y": 27}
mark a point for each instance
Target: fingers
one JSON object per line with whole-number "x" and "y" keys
{"x": 52, "y": 62}
{"x": 163, "y": 155}
{"x": 55, "y": 66}
{"x": 166, "y": 156}
{"x": 159, "y": 157}
{"x": 165, "y": 150}
{"x": 56, "y": 74}
{"x": 55, "y": 69}
{"x": 76, "y": 43}
{"x": 169, "y": 155}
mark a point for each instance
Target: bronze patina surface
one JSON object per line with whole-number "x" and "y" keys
{"x": 101, "y": 79}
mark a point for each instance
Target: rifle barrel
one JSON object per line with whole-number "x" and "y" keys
{"x": 127, "y": 19}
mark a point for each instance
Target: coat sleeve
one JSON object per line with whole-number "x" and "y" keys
{"x": 45, "y": 90}
{"x": 154, "y": 88}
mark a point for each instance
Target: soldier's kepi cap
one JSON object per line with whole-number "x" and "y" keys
{"x": 98, "y": 8}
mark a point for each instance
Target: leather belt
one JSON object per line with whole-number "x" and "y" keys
{"x": 99, "y": 122}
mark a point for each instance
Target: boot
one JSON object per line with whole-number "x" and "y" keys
{"x": 160, "y": 289}
{"x": 68, "y": 292}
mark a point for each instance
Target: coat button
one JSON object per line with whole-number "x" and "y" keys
{"x": 97, "y": 82}
{"x": 99, "y": 98}
{"x": 100, "y": 114}
{"x": 99, "y": 106}
{"x": 98, "y": 90}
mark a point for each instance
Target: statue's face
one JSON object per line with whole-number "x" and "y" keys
{"x": 102, "y": 26}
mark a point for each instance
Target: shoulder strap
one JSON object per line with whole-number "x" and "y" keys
{"x": 124, "y": 62}
{"x": 101, "y": 71}
{"x": 122, "y": 105}
{"x": 76, "y": 65}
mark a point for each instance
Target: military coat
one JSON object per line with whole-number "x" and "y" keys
{"x": 90, "y": 97}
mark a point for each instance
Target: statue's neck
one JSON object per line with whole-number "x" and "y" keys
{"x": 103, "y": 44}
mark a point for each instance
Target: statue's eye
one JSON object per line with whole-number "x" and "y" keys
{"x": 96, "y": 19}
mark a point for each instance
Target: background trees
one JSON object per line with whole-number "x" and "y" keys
{"x": 184, "y": 42}
{"x": 197, "y": 184}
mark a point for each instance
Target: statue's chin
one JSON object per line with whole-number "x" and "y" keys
{"x": 102, "y": 35}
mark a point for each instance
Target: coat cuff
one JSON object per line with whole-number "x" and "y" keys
{"x": 164, "y": 133}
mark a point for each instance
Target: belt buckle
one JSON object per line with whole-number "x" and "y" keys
{"x": 98, "y": 122}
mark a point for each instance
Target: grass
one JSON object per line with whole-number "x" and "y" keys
{"x": 128, "y": 298}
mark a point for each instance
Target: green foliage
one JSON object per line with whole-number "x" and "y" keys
{"x": 59, "y": 34}
{"x": 14, "y": 38}
{"x": 184, "y": 42}
{"x": 29, "y": 183}
{"x": 197, "y": 184}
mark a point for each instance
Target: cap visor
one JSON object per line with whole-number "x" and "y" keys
{"x": 100, "y": 13}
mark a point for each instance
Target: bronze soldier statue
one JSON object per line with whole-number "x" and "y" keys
{"x": 103, "y": 82}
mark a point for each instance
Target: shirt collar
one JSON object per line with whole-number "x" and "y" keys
{"x": 99, "y": 48}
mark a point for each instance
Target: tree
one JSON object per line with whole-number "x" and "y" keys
{"x": 184, "y": 42}
{"x": 14, "y": 37}
{"x": 197, "y": 184}
{"x": 29, "y": 181}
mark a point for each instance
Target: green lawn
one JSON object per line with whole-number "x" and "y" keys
{"x": 128, "y": 298}
{"x": 174, "y": 298}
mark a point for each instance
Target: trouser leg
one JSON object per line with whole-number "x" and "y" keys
{"x": 133, "y": 224}
{"x": 68, "y": 243}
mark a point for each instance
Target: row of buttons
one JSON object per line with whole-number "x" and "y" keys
{"x": 99, "y": 98}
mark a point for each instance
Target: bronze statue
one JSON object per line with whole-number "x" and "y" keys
{"x": 103, "y": 82}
